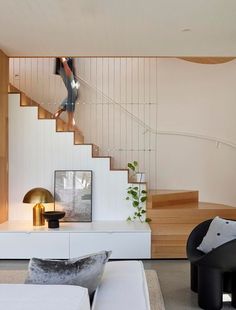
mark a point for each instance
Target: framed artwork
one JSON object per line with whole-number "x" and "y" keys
{"x": 73, "y": 194}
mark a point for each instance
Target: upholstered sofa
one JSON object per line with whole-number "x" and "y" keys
{"x": 123, "y": 286}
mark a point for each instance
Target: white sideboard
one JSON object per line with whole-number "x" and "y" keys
{"x": 22, "y": 240}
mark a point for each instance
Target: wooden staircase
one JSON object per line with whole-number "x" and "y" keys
{"x": 174, "y": 214}
{"x": 61, "y": 126}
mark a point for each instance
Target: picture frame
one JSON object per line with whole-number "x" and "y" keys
{"x": 73, "y": 194}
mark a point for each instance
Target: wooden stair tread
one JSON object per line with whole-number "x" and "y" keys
{"x": 44, "y": 114}
{"x": 194, "y": 205}
{"x": 191, "y": 215}
{"x": 95, "y": 150}
{"x": 164, "y": 198}
{"x": 154, "y": 192}
{"x": 208, "y": 205}
{"x": 12, "y": 89}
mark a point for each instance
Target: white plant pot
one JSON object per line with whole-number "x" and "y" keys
{"x": 139, "y": 177}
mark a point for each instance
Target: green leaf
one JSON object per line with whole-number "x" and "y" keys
{"x": 143, "y": 211}
{"x": 143, "y": 199}
{"x": 135, "y": 188}
{"x": 133, "y": 193}
{"x": 135, "y": 204}
{"x": 148, "y": 220}
{"x": 130, "y": 166}
{"x": 144, "y": 192}
{"x": 127, "y": 198}
{"x": 135, "y": 163}
{"x": 128, "y": 218}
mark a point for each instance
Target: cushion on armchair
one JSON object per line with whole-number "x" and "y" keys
{"x": 220, "y": 231}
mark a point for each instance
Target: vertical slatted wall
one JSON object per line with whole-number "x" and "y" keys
{"x": 117, "y": 106}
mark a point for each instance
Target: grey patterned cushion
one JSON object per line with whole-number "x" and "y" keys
{"x": 219, "y": 232}
{"x": 83, "y": 271}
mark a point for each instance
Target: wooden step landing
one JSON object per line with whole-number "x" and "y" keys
{"x": 162, "y": 198}
{"x": 173, "y": 218}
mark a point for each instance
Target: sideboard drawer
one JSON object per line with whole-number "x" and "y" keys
{"x": 122, "y": 245}
{"x": 23, "y": 245}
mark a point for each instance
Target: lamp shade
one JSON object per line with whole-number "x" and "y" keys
{"x": 38, "y": 195}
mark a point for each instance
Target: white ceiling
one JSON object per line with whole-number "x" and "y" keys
{"x": 118, "y": 27}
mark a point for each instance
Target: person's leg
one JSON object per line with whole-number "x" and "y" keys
{"x": 61, "y": 109}
{"x": 58, "y": 113}
{"x": 69, "y": 103}
{"x": 66, "y": 82}
{"x": 71, "y": 121}
{"x": 72, "y": 97}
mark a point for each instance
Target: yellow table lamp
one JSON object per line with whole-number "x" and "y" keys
{"x": 38, "y": 196}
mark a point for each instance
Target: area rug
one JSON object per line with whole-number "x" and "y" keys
{"x": 154, "y": 289}
{"x": 155, "y": 295}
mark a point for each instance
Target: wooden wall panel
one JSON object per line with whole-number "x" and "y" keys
{"x": 4, "y": 78}
{"x": 208, "y": 60}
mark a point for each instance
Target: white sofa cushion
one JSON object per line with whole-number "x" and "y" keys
{"x": 123, "y": 287}
{"x": 38, "y": 297}
{"x": 219, "y": 232}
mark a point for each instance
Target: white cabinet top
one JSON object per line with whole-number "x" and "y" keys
{"x": 91, "y": 227}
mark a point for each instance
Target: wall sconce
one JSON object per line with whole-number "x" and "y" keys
{"x": 38, "y": 196}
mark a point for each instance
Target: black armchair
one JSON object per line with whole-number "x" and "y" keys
{"x": 212, "y": 273}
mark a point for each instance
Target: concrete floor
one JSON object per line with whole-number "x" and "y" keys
{"x": 173, "y": 276}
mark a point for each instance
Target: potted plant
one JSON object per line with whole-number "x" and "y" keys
{"x": 137, "y": 195}
{"x": 136, "y": 176}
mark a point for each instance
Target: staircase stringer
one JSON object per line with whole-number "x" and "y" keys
{"x": 60, "y": 126}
